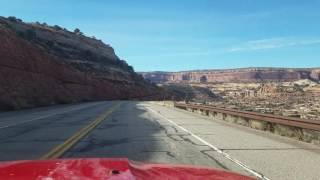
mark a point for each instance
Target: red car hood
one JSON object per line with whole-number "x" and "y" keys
{"x": 114, "y": 169}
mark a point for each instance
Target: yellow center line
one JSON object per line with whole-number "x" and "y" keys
{"x": 59, "y": 150}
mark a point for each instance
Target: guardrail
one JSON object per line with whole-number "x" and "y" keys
{"x": 287, "y": 121}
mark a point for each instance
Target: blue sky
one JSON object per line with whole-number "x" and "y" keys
{"x": 174, "y": 35}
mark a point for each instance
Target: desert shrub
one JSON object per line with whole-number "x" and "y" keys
{"x": 50, "y": 43}
{"x": 12, "y": 18}
{"x": 58, "y": 28}
{"x": 90, "y": 55}
{"x": 130, "y": 68}
{"x": 29, "y": 34}
{"x": 77, "y": 31}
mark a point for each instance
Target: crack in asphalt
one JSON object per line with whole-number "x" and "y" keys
{"x": 267, "y": 149}
{"x": 192, "y": 142}
{"x": 204, "y": 152}
{"x": 168, "y": 153}
{"x": 188, "y": 140}
{"x": 109, "y": 126}
{"x": 94, "y": 143}
{"x": 184, "y": 139}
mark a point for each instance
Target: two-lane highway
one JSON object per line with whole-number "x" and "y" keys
{"x": 29, "y": 134}
{"x": 148, "y": 132}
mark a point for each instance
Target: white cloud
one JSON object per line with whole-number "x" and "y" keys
{"x": 273, "y": 43}
{"x": 254, "y": 45}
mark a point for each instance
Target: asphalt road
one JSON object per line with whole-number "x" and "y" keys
{"x": 148, "y": 132}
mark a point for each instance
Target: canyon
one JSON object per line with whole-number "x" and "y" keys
{"x": 281, "y": 91}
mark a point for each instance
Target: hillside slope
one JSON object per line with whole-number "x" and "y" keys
{"x": 43, "y": 65}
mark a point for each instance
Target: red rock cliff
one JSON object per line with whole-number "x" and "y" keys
{"x": 32, "y": 74}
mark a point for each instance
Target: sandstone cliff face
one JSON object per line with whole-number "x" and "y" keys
{"x": 248, "y": 75}
{"x": 315, "y": 74}
{"x": 49, "y": 67}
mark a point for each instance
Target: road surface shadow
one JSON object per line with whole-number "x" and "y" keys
{"x": 130, "y": 132}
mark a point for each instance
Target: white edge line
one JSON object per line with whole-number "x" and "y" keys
{"x": 226, "y": 155}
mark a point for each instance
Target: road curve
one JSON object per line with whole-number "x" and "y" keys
{"x": 148, "y": 132}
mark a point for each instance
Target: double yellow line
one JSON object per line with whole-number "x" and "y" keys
{"x": 59, "y": 150}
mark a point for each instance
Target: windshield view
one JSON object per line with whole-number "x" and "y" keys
{"x": 166, "y": 89}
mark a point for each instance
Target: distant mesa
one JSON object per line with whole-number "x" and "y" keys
{"x": 242, "y": 75}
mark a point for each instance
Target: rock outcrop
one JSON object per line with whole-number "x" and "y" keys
{"x": 43, "y": 65}
{"x": 184, "y": 92}
{"x": 244, "y": 75}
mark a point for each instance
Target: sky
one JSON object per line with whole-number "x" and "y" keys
{"x": 176, "y": 35}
